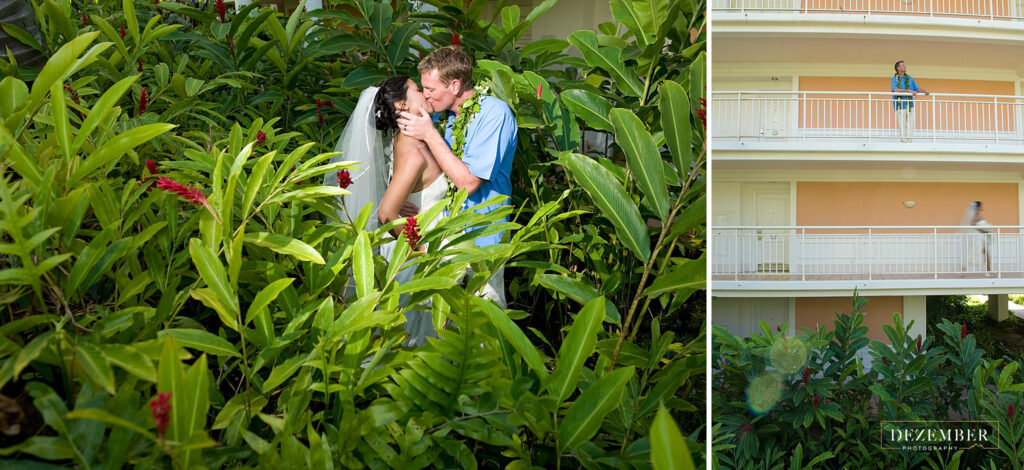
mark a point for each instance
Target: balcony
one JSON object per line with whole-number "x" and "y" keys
{"x": 862, "y": 118}
{"x": 985, "y": 9}
{"x": 878, "y": 258}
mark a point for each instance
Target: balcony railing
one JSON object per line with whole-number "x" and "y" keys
{"x": 812, "y": 116}
{"x": 972, "y": 9}
{"x": 830, "y": 253}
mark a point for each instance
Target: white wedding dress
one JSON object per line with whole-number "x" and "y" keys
{"x": 419, "y": 323}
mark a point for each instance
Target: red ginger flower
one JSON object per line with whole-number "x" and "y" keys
{"x": 702, "y": 112}
{"x": 540, "y": 86}
{"x": 151, "y": 168}
{"x": 344, "y": 179}
{"x": 963, "y": 331}
{"x": 85, "y": 21}
{"x": 1010, "y": 412}
{"x": 319, "y": 105}
{"x": 140, "y": 65}
{"x": 807, "y": 374}
{"x": 222, "y": 9}
{"x": 261, "y": 137}
{"x": 919, "y": 344}
{"x": 815, "y": 401}
{"x": 161, "y": 407}
{"x": 190, "y": 194}
{"x": 455, "y": 35}
{"x": 122, "y": 31}
{"x": 74, "y": 95}
{"x": 411, "y": 231}
{"x": 143, "y": 101}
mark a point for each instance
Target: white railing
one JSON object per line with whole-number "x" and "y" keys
{"x": 866, "y": 253}
{"x": 786, "y": 116}
{"x": 975, "y": 9}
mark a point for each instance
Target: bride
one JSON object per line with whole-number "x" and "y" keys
{"x": 395, "y": 169}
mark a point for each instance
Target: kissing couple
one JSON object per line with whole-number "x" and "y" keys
{"x": 407, "y": 164}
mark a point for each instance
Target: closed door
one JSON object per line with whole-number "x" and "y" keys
{"x": 772, "y": 208}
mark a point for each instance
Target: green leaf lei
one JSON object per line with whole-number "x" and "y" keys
{"x": 467, "y": 110}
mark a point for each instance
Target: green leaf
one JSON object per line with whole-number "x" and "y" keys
{"x": 668, "y": 449}
{"x": 101, "y": 109}
{"x": 265, "y": 296}
{"x": 23, "y": 36}
{"x": 593, "y": 109}
{"x": 62, "y": 63}
{"x": 213, "y": 273}
{"x": 578, "y": 291}
{"x": 131, "y": 360}
{"x": 194, "y": 407}
{"x": 31, "y": 351}
{"x": 642, "y": 159}
{"x": 587, "y": 413}
{"x": 285, "y": 245}
{"x": 103, "y": 416}
{"x": 116, "y": 147}
{"x": 608, "y": 58}
{"x": 613, "y": 201}
{"x": 579, "y": 344}
{"x": 13, "y": 93}
{"x": 514, "y": 335}
{"x": 171, "y": 379}
{"x": 201, "y": 340}
{"x": 675, "y": 120}
{"x": 362, "y": 265}
{"x": 61, "y": 127}
{"x": 96, "y": 366}
{"x": 212, "y": 300}
{"x": 282, "y": 372}
{"x": 689, "y": 275}
{"x": 642, "y": 17}
{"x": 698, "y": 81}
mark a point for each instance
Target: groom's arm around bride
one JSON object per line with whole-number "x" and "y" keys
{"x": 483, "y": 164}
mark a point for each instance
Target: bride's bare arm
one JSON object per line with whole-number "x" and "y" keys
{"x": 407, "y": 172}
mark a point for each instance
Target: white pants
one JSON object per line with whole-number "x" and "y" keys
{"x": 905, "y": 121}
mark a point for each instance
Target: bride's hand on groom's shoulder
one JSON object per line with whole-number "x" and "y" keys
{"x": 408, "y": 209}
{"x": 416, "y": 125}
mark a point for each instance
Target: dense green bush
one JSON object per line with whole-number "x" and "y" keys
{"x": 810, "y": 400}
{"x": 200, "y": 319}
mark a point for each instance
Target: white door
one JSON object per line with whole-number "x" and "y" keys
{"x": 771, "y": 207}
{"x": 741, "y": 316}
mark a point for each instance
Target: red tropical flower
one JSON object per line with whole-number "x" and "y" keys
{"x": 140, "y": 65}
{"x": 919, "y": 344}
{"x": 344, "y": 179}
{"x": 807, "y": 374}
{"x": 963, "y": 331}
{"x": 540, "y": 86}
{"x": 320, "y": 104}
{"x": 161, "y": 408}
{"x": 122, "y": 29}
{"x": 222, "y": 9}
{"x": 411, "y": 231}
{"x": 815, "y": 401}
{"x": 188, "y": 193}
{"x": 73, "y": 93}
{"x": 455, "y": 35}
{"x": 143, "y": 101}
{"x": 702, "y": 112}
{"x": 885, "y": 361}
{"x": 261, "y": 137}
{"x": 152, "y": 169}
{"x": 85, "y": 21}
{"x": 158, "y": 10}
{"x": 1010, "y": 412}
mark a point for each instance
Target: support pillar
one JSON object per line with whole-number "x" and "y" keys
{"x": 915, "y": 308}
{"x": 998, "y": 306}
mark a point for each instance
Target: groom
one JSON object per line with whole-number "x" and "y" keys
{"x": 490, "y": 140}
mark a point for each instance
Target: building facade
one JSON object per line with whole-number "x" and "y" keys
{"x": 818, "y": 190}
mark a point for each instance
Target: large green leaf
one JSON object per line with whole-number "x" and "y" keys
{"x": 61, "y": 127}
{"x": 96, "y": 366}
{"x": 668, "y": 449}
{"x": 362, "y": 265}
{"x": 642, "y": 17}
{"x": 579, "y": 345}
{"x": 593, "y": 109}
{"x": 286, "y": 246}
{"x": 698, "y": 81}
{"x": 116, "y": 147}
{"x": 585, "y": 415}
{"x": 514, "y": 335}
{"x": 101, "y": 109}
{"x": 579, "y": 291}
{"x": 608, "y": 58}
{"x": 97, "y": 414}
{"x": 265, "y": 296}
{"x": 615, "y": 205}
{"x": 194, "y": 407}
{"x": 212, "y": 271}
{"x": 201, "y": 340}
{"x": 62, "y": 63}
{"x": 675, "y": 121}
{"x": 131, "y": 360}
{"x": 282, "y": 372}
{"x": 689, "y": 276}
{"x": 13, "y": 93}
{"x": 642, "y": 159}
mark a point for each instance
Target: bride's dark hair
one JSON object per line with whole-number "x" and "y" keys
{"x": 391, "y": 90}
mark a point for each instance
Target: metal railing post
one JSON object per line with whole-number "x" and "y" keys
{"x": 803, "y": 241}
{"x": 935, "y": 250}
{"x": 870, "y": 257}
{"x": 869, "y": 117}
{"x": 995, "y": 118}
{"x": 739, "y": 119}
{"x": 935, "y": 124}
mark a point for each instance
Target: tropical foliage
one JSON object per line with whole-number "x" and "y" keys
{"x": 822, "y": 398}
{"x": 183, "y": 288}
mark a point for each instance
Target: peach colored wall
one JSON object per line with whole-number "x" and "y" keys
{"x": 876, "y": 203}
{"x": 951, "y": 113}
{"x": 814, "y": 311}
{"x": 955, "y": 7}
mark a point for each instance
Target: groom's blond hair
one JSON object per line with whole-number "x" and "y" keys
{"x": 452, "y": 63}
